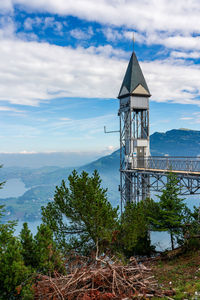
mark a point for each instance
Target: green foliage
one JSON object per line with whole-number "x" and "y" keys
{"x": 20, "y": 259}
{"x": 81, "y": 214}
{"x": 40, "y": 252}
{"x": 48, "y": 258}
{"x": 1, "y": 210}
{"x": 173, "y": 212}
{"x": 192, "y": 231}
{"x": 13, "y": 270}
{"x": 134, "y": 233}
{"x": 28, "y": 246}
{"x": 194, "y": 227}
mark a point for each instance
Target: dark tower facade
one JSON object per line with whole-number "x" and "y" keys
{"x": 134, "y": 133}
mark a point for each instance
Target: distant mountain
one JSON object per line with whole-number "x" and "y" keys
{"x": 104, "y": 164}
{"x": 42, "y": 182}
{"x": 176, "y": 142}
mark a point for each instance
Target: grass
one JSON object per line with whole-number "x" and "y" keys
{"x": 181, "y": 273}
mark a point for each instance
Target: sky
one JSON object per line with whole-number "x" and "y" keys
{"x": 62, "y": 64}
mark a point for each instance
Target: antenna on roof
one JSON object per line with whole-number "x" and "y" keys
{"x": 133, "y": 40}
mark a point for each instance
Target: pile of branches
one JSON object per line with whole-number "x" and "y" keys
{"x": 100, "y": 279}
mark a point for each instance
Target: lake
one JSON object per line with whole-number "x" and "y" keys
{"x": 13, "y": 188}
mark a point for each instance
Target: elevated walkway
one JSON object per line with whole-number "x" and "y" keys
{"x": 150, "y": 173}
{"x": 165, "y": 164}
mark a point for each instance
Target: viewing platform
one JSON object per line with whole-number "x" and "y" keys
{"x": 164, "y": 164}
{"x": 152, "y": 171}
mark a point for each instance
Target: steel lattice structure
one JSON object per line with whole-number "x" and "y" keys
{"x": 140, "y": 172}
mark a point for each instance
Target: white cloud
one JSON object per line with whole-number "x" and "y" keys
{"x": 142, "y": 15}
{"x": 154, "y": 22}
{"x": 111, "y": 148}
{"x": 27, "y": 152}
{"x": 179, "y": 54}
{"x": 108, "y": 51}
{"x": 169, "y": 40}
{"x": 194, "y": 118}
{"x": 10, "y": 109}
{"x": 78, "y": 34}
{"x": 29, "y": 23}
{"x": 138, "y": 37}
{"x": 50, "y": 22}
{"x": 36, "y": 71}
{"x": 81, "y": 34}
{"x": 112, "y": 34}
{"x": 31, "y": 72}
{"x": 44, "y": 23}
{"x": 7, "y": 27}
{"x": 65, "y": 119}
{"x": 186, "y": 118}
{"x": 27, "y": 36}
{"x": 182, "y": 42}
{"x": 6, "y": 6}
{"x": 172, "y": 80}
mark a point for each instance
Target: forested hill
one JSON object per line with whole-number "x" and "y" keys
{"x": 176, "y": 142}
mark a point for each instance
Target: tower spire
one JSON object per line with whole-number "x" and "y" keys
{"x": 134, "y": 81}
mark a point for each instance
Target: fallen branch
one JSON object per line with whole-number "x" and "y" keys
{"x": 100, "y": 279}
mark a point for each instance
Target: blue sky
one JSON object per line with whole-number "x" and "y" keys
{"x": 62, "y": 63}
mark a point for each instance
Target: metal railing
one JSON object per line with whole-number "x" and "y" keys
{"x": 166, "y": 163}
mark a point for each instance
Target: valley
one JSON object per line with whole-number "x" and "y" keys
{"x": 40, "y": 183}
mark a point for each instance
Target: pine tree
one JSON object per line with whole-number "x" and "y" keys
{"x": 172, "y": 210}
{"x": 28, "y": 246}
{"x": 135, "y": 224}
{"x": 13, "y": 271}
{"x": 40, "y": 253}
{"x": 48, "y": 258}
{"x": 80, "y": 216}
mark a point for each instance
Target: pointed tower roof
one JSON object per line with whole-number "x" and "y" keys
{"x": 134, "y": 82}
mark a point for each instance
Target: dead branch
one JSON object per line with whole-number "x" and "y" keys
{"x": 101, "y": 278}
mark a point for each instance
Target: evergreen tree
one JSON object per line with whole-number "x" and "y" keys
{"x": 80, "y": 216}
{"x": 46, "y": 256}
{"x": 134, "y": 235}
{"x": 13, "y": 272}
{"x": 172, "y": 210}
{"x": 40, "y": 253}
{"x": 28, "y": 246}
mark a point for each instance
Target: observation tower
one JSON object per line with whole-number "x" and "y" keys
{"x": 140, "y": 172}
